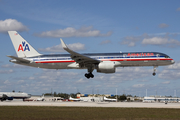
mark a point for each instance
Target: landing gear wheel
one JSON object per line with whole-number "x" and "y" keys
{"x": 89, "y": 75}
{"x": 154, "y": 70}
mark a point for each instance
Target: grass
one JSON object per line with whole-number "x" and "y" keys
{"x": 86, "y": 113}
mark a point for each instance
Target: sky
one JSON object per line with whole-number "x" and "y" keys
{"x": 96, "y": 26}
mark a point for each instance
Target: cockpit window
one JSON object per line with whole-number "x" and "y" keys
{"x": 167, "y": 57}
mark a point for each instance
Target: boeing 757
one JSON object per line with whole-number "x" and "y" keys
{"x": 102, "y": 62}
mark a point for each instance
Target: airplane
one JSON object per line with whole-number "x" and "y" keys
{"x": 13, "y": 95}
{"x": 41, "y": 98}
{"x": 109, "y": 99}
{"x": 102, "y": 62}
{"x": 74, "y": 99}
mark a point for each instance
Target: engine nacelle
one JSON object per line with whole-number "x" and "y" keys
{"x": 10, "y": 98}
{"x": 4, "y": 97}
{"x": 106, "y": 67}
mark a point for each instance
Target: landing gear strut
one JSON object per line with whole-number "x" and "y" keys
{"x": 154, "y": 71}
{"x": 90, "y": 68}
{"x": 89, "y": 75}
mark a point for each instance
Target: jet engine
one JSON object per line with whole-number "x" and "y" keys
{"x": 4, "y": 97}
{"x": 10, "y": 98}
{"x": 106, "y": 67}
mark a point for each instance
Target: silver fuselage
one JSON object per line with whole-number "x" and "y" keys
{"x": 129, "y": 59}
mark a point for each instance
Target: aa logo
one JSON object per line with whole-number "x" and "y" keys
{"x": 23, "y": 47}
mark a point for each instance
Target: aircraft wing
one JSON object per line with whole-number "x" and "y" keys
{"x": 79, "y": 58}
{"x": 19, "y": 59}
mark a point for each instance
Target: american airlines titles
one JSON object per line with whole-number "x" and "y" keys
{"x": 140, "y": 54}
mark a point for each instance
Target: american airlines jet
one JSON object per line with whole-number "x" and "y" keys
{"x": 102, "y": 62}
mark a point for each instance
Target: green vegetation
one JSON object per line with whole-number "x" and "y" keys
{"x": 63, "y": 95}
{"x": 86, "y": 113}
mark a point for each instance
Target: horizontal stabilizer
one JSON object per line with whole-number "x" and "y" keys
{"x": 20, "y": 59}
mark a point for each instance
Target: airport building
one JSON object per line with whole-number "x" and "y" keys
{"x": 88, "y": 98}
{"x": 134, "y": 99}
{"x": 43, "y": 98}
{"x": 161, "y": 99}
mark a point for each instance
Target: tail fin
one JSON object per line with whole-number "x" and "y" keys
{"x": 21, "y": 46}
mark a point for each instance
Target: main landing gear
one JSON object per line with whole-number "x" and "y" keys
{"x": 90, "y": 68}
{"x": 89, "y": 75}
{"x": 154, "y": 71}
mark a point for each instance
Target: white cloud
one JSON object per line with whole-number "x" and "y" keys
{"x": 132, "y": 40}
{"x": 11, "y": 24}
{"x": 175, "y": 66}
{"x": 126, "y": 74}
{"x": 81, "y": 80}
{"x": 166, "y": 82}
{"x": 138, "y": 85}
{"x": 131, "y": 44}
{"x": 31, "y": 78}
{"x": 169, "y": 74}
{"x": 69, "y": 81}
{"x": 155, "y": 41}
{"x": 20, "y": 81}
{"x": 50, "y": 75}
{"x": 163, "y": 25}
{"x": 105, "y": 42}
{"x": 178, "y": 9}
{"x": 58, "y": 48}
{"x": 72, "y": 32}
{"x": 6, "y": 71}
{"x": 6, "y": 82}
{"x": 13, "y": 66}
{"x": 161, "y": 41}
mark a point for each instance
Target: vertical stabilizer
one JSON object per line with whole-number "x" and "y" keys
{"x": 21, "y": 46}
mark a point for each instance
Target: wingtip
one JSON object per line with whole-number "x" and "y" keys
{"x": 63, "y": 44}
{"x": 8, "y": 55}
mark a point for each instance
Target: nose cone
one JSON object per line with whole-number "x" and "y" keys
{"x": 172, "y": 61}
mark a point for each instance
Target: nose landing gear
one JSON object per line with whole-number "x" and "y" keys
{"x": 154, "y": 71}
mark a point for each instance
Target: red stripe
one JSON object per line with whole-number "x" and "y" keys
{"x": 105, "y": 60}
{"x": 139, "y": 59}
{"x": 55, "y": 61}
